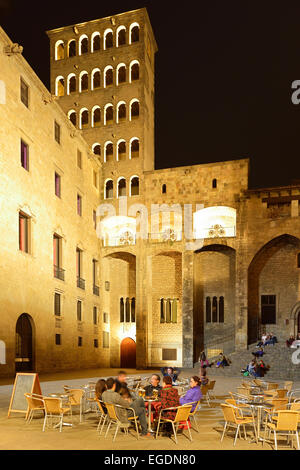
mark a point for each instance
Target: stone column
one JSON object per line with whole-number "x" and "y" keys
{"x": 141, "y": 306}
{"x": 241, "y": 309}
{"x": 187, "y": 308}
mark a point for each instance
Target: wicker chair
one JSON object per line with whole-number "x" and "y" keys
{"x": 103, "y": 415}
{"x": 211, "y": 386}
{"x": 35, "y": 403}
{"x": 182, "y": 415}
{"x": 76, "y": 399}
{"x": 53, "y": 407}
{"x": 205, "y": 393}
{"x": 286, "y": 424}
{"x": 234, "y": 418}
{"x": 114, "y": 420}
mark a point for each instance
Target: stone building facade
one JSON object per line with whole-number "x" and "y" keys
{"x": 174, "y": 261}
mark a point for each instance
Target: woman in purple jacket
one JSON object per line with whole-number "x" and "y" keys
{"x": 194, "y": 393}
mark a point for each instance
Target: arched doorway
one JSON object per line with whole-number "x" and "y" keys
{"x": 268, "y": 296}
{"x": 128, "y": 353}
{"x": 24, "y": 343}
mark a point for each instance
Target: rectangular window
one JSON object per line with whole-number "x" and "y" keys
{"x": 169, "y": 354}
{"x": 58, "y": 340}
{"x": 24, "y": 93}
{"x": 95, "y": 343}
{"x": 79, "y": 341}
{"x": 24, "y": 223}
{"x": 57, "y": 304}
{"x": 268, "y": 309}
{"x": 79, "y": 204}
{"x": 95, "y": 179}
{"x": 79, "y": 159}
{"x": 105, "y": 317}
{"x": 95, "y": 316}
{"x": 24, "y": 155}
{"x": 105, "y": 339}
{"x": 57, "y": 183}
{"x": 95, "y": 219}
{"x": 57, "y": 132}
{"x": 78, "y": 262}
{"x": 79, "y": 310}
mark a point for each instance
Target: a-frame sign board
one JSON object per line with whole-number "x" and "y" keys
{"x": 24, "y": 383}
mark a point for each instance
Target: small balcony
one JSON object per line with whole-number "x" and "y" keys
{"x": 80, "y": 283}
{"x": 59, "y": 273}
{"x": 96, "y": 290}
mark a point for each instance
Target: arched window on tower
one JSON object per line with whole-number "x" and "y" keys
{"x": 59, "y": 50}
{"x": 134, "y": 71}
{"x": 83, "y": 45}
{"x": 122, "y": 187}
{"x": 134, "y": 148}
{"x": 96, "y": 149}
{"x": 133, "y": 310}
{"x": 96, "y": 116}
{"x": 71, "y": 83}
{"x": 95, "y": 42}
{"x": 134, "y": 109}
{"x": 162, "y": 311}
{"x": 121, "y": 36}
{"x": 168, "y": 311}
{"x": 84, "y": 119}
{"x": 108, "y": 114}
{"x": 108, "y": 76}
{"x": 134, "y": 186}
{"x": 96, "y": 79}
{"x": 73, "y": 117}
{"x": 72, "y": 48}
{"x": 208, "y": 310}
{"x": 109, "y": 152}
{"x": 121, "y": 146}
{"x": 121, "y": 73}
{"x": 109, "y": 189}
{"x": 60, "y": 86}
{"x": 84, "y": 81}
{"x": 134, "y": 33}
{"x": 108, "y": 39}
{"x": 121, "y": 115}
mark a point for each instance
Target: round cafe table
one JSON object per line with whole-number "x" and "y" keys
{"x": 149, "y": 401}
{"x": 65, "y": 400}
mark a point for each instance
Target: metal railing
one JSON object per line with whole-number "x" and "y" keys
{"x": 59, "y": 273}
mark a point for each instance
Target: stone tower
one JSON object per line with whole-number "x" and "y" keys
{"x": 103, "y": 73}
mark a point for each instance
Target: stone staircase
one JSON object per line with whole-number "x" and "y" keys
{"x": 278, "y": 357}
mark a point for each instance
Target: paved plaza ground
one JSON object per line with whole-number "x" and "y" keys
{"x": 16, "y": 435}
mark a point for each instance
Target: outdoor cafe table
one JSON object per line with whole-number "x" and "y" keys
{"x": 260, "y": 405}
{"x": 150, "y": 400}
{"x": 65, "y": 400}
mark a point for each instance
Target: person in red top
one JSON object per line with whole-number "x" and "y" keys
{"x": 168, "y": 397}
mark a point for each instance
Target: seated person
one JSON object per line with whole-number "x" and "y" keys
{"x": 261, "y": 368}
{"x": 154, "y": 385}
{"x": 111, "y": 396}
{"x": 193, "y": 394}
{"x": 100, "y": 388}
{"x": 203, "y": 376}
{"x": 121, "y": 379}
{"x": 171, "y": 372}
{"x": 222, "y": 361}
{"x": 168, "y": 398}
{"x": 263, "y": 340}
{"x": 258, "y": 353}
{"x": 252, "y": 368}
{"x": 271, "y": 339}
{"x": 290, "y": 341}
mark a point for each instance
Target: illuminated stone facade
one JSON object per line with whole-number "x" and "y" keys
{"x": 210, "y": 273}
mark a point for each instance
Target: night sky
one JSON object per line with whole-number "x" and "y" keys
{"x": 224, "y": 71}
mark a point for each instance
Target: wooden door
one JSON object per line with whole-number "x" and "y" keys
{"x": 128, "y": 353}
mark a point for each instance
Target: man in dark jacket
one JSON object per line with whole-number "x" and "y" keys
{"x": 154, "y": 385}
